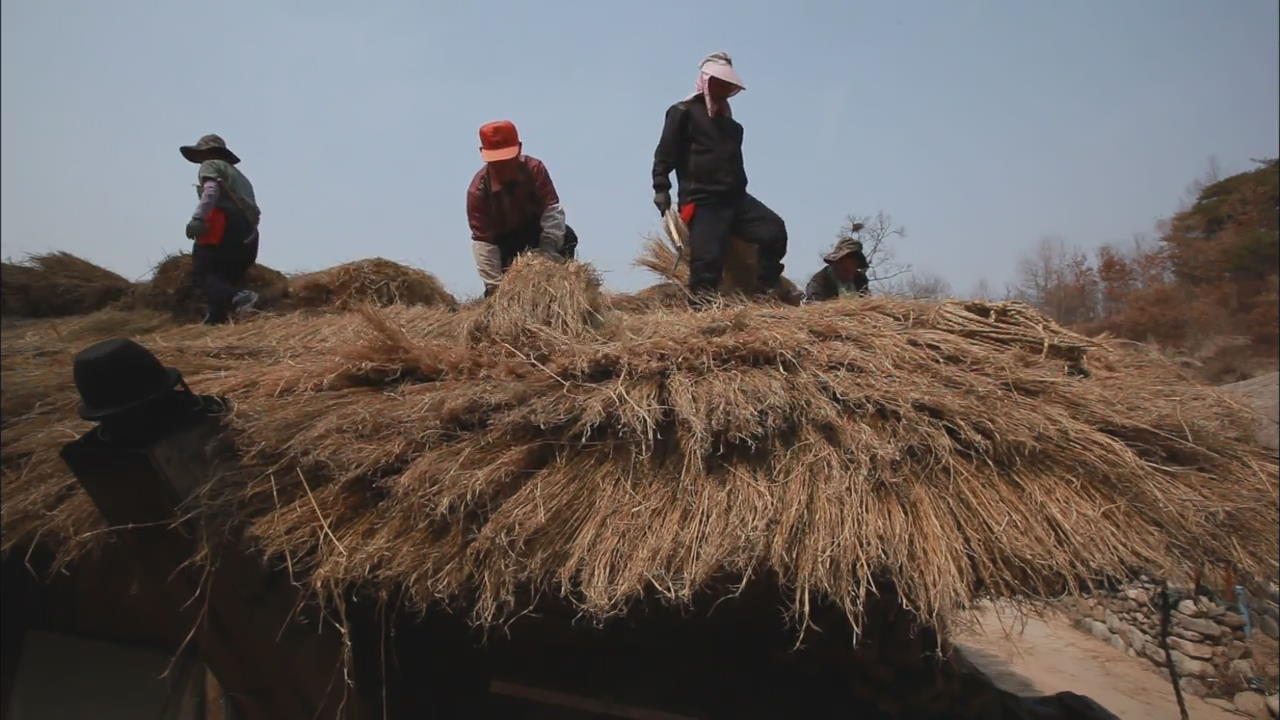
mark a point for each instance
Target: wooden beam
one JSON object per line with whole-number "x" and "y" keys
{"x": 235, "y": 607}
{"x": 579, "y": 702}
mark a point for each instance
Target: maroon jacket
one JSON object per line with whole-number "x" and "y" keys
{"x": 496, "y": 209}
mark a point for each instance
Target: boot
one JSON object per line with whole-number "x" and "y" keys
{"x": 244, "y": 301}
{"x": 767, "y": 290}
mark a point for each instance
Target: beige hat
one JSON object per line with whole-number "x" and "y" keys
{"x": 847, "y": 246}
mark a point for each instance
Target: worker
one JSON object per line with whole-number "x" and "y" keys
{"x": 224, "y": 228}
{"x": 703, "y": 143}
{"x": 513, "y": 207}
{"x": 844, "y": 275}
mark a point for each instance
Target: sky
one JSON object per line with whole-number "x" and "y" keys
{"x": 980, "y": 127}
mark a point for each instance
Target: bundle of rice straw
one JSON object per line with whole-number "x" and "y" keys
{"x": 830, "y": 449}
{"x": 663, "y": 257}
{"x": 541, "y": 298}
{"x": 654, "y": 297}
{"x": 377, "y": 281}
{"x": 57, "y": 284}
{"x": 172, "y": 290}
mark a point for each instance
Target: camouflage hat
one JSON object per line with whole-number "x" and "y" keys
{"x": 209, "y": 147}
{"x": 847, "y": 246}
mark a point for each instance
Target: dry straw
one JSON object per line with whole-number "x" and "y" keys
{"x": 540, "y": 444}
{"x": 57, "y": 284}
{"x": 542, "y": 300}
{"x": 667, "y": 295}
{"x": 662, "y": 256}
{"x": 171, "y": 288}
{"x": 376, "y": 281}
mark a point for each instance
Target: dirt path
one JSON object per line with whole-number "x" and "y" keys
{"x": 1046, "y": 656}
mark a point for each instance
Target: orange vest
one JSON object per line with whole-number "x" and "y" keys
{"x": 216, "y": 225}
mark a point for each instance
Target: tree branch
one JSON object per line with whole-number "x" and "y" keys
{"x": 879, "y": 278}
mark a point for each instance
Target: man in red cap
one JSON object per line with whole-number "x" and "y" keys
{"x": 512, "y": 206}
{"x": 703, "y": 143}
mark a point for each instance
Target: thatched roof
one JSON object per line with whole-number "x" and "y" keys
{"x": 545, "y": 443}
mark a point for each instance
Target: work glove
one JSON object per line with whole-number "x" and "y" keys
{"x": 195, "y": 228}
{"x": 552, "y": 255}
{"x": 662, "y": 199}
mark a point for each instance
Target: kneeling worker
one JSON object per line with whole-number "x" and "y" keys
{"x": 845, "y": 273}
{"x": 224, "y": 227}
{"x": 512, "y": 207}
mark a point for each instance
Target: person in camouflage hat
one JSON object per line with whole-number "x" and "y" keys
{"x": 845, "y": 273}
{"x": 223, "y": 227}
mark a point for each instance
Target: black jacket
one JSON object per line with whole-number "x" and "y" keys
{"x": 705, "y": 152}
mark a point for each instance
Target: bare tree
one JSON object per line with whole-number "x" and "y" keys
{"x": 982, "y": 290}
{"x": 1037, "y": 271}
{"x": 1059, "y": 280}
{"x": 878, "y": 234}
{"x": 920, "y": 286}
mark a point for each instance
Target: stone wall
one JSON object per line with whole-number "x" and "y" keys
{"x": 1213, "y": 656}
{"x": 1265, "y": 614}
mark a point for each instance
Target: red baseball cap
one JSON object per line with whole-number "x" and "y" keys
{"x": 499, "y": 141}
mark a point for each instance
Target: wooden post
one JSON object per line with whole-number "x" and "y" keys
{"x": 269, "y": 662}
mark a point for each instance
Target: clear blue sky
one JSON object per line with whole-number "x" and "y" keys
{"x": 980, "y": 126}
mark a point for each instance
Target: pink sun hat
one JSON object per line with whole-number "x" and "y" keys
{"x": 720, "y": 65}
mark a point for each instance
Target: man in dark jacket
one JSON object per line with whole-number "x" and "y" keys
{"x": 224, "y": 228}
{"x": 845, "y": 273}
{"x": 512, "y": 207}
{"x": 703, "y": 143}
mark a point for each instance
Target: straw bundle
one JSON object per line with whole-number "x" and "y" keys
{"x": 829, "y": 448}
{"x": 172, "y": 290}
{"x": 57, "y": 284}
{"x": 655, "y": 297}
{"x": 542, "y": 299}
{"x": 38, "y": 413}
{"x": 661, "y": 256}
{"x": 377, "y": 281}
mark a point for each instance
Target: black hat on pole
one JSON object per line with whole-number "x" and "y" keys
{"x": 115, "y": 376}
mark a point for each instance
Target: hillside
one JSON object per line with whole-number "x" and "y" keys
{"x": 1205, "y": 289}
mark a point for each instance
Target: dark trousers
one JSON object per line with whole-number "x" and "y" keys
{"x": 517, "y": 242}
{"x": 715, "y": 222}
{"x": 218, "y": 271}
{"x": 570, "y": 247}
